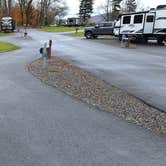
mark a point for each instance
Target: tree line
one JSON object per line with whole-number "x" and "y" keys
{"x": 110, "y": 9}
{"x": 33, "y": 12}
{"x": 43, "y": 12}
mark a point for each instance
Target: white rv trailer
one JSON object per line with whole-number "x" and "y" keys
{"x": 73, "y": 21}
{"x": 7, "y": 24}
{"x": 143, "y": 25}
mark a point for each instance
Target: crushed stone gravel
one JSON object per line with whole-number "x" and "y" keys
{"x": 88, "y": 88}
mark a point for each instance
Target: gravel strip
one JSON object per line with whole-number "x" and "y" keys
{"x": 87, "y": 87}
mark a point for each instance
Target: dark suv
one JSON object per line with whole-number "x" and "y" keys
{"x": 106, "y": 28}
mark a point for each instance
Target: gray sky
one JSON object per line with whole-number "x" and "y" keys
{"x": 74, "y": 4}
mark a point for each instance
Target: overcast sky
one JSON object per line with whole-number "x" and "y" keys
{"x": 74, "y": 4}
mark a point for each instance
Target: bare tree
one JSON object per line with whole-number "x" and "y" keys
{"x": 6, "y": 7}
{"x": 9, "y": 7}
{"x": 22, "y": 10}
{"x": 59, "y": 12}
{"x": 0, "y": 7}
{"x": 110, "y": 10}
{"x": 25, "y": 6}
{"x": 105, "y": 10}
{"x": 51, "y": 8}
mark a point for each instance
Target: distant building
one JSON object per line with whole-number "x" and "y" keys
{"x": 73, "y": 21}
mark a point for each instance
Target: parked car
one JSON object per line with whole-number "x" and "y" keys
{"x": 106, "y": 28}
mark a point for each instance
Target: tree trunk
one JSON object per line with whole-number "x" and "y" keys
{"x": 9, "y": 7}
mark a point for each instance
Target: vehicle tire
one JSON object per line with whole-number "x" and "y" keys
{"x": 120, "y": 37}
{"x": 160, "y": 41}
{"x": 145, "y": 40}
{"x": 95, "y": 36}
{"x": 89, "y": 35}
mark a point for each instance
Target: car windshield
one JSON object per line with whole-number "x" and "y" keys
{"x": 100, "y": 25}
{"x": 104, "y": 25}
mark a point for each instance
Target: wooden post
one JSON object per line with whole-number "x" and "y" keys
{"x": 164, "y": 43}
{"x": 49, "y": 49}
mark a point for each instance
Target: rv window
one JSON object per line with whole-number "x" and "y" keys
{"x": 126, "y": 19}
{"x": 71, "y": 20}
{"x": 161, "y": 18}
{"x": 150, "y": 19}
{"x": 138, "y": 19}
{"x": 100, "y": 25}
{"x": 161, "y": 6}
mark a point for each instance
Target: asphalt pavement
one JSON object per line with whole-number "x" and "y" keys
{"x": 140, "y": 71}
{"x": 41, "y": 126}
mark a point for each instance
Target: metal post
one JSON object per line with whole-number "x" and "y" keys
{"x": 45, "y": 55}
{"x": 25, "y": 32}
{"x": 129, "y": 40}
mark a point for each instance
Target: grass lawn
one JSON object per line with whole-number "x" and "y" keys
{"x": 5, "y": 47}
{"x": 81, "y": 34}
{"x": 78, "y": 34}
{"x": 60, "y": 29}
{"x": 5, "y": 34}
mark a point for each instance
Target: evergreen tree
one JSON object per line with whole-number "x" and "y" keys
{"x": 115, "y": 9}
{"x": 116, "y": 5}
{"x": 86, "y": 9}
{"x": 131, "y": 5}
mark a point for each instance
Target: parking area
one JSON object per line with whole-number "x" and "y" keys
{"x": 140, "y": 71}
{"x": 42, "y": 126}
{"x": 113, "y": 41}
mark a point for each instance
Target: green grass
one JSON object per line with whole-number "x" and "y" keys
{"x": 60, "y": 29}
{"x": 81, "y": 34}
{"x": 5, "y": 34}
{"x": 78, "y": 34}
{"x": 65, "y": 62}
{"x": 5, "y": 47}
{"x": 54, "y": 71}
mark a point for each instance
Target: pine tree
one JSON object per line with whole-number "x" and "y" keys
{"x": 131, "y": 5}
{"x": 115, "y": 9}
{"x": 116, "y": 5}
{"x": 86, "y": 9}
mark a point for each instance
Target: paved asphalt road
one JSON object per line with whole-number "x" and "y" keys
{"x": 41, "y": 126}
{"x": 141, "y": 71}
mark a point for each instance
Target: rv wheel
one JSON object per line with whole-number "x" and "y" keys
{"x": 160, "y": 41}
{"x": 145, "y": 40}
{"x": 120, "y": 37}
